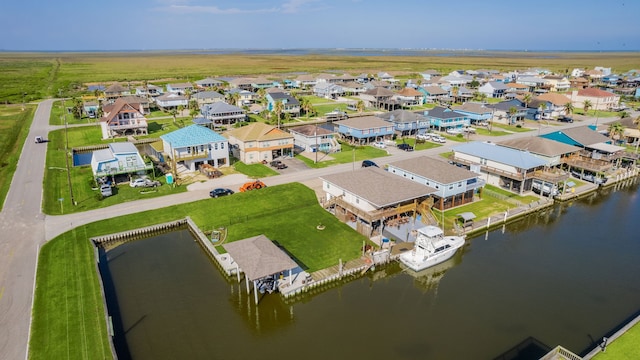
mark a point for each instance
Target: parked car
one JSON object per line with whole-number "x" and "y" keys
{"x": 367, "y": 163}
{"x": 405, "y": 147}
{"x": 217, "y": 192}
{"x": 425, "y": 137}
{"x": 454, "y": 131}
{"x": 380, "y": 144}
{"x": 438, "y": 138}
{"x": 39, "y": 139}
{"x": 144, "y": 182}
{"x": 278, "y": 164}
{"x": 566, "y": 119}
{"x": 105, "y": 190}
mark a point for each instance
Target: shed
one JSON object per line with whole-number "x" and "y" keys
{"x": 466, "y": 218}
{"x": 259, "y": 257}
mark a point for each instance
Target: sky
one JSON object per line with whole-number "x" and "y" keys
{"x": 80, "y": 25}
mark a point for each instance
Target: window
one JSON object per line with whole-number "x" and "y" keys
{"x": 215, "y": 146}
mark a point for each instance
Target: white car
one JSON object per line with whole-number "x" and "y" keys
{"x": 143, "y": 182}
{"x": 438, "y": 139}
{"x": 454, "y": 131}
{"x": 423, "y": 137}
{"x": 380, "y": 144}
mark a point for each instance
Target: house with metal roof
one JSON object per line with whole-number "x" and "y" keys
{"x": 171, "y": 101}
{"x": 433, "y": 94}
{"x": 180, "y": 88}
{"x": 221, "y": 114}
{"x": 207, "y": 97}
{"x": 368, "y": 198}
{"x": 364, "y": 130}
{"x": 499, "y": 166}
{"x": 195, "y": 145}
{"x": 406, "y": 122}
{"x": 290, "y": 105}
{"x": 327, "y": 90}
{"x": 493, "y": 89}
{"x": 502, "y": 111}
{"x": 208, "y": 83}
{"x": 553, "y": 152}
{"x": 259, "y": 142}
{"x": 454, "y": 185}
{"x": 443, "y": 118}
{"x": 118, "y": 158}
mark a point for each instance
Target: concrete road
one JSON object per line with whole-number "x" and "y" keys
{"x": 23, "y": 227}
{"x": 22, "y": 232}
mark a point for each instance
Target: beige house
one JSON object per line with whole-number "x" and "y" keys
{"x": 557, "y": 83}
{"x": 123, "y": 118}
{"x": 259, "y": 142}
{"x": 600, "y": 99}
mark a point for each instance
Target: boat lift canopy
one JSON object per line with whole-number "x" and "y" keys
{"x": 467, "y": 218}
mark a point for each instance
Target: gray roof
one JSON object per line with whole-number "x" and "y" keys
{"x": 279, "y": 95}
{"x": 401, "y": 116}
{"x": 505, "y": 106}
{"x": 434, "y": 169}
{"x": 364, "y": 122}
{"x": 501, "y": 154}
{"x": 259, "y": 257}
{"x": 585, "y": 135}
{"x": 435, "y": 90}
{"x": 440, "y": 112}
{"x": 123, "y": 147}
{"x": 379, "y": 187}
{"x": 540, "y": 145}
{"x": 102, "y": 155}
{"x": 476, "y": 108}
{"x": 310, "y": 130}
{"x": 220, "y": 107}
{"x": 207, "y": 95}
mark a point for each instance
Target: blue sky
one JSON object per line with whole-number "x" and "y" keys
{"x": 45, "y": 25}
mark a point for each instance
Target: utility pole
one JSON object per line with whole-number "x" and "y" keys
{"x": 316, "y": 136}
{"x": 66, "y": 151}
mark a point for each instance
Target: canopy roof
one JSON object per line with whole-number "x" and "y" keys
{"x": 259, "y": 257}
{"x": 467, "y": 216}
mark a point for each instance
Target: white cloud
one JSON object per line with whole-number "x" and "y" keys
{"x": 293, "y": 6}
{"x": 184, "y": 7}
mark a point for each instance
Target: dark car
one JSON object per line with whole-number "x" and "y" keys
{"x": 220, "y": 192}
{"x": 278, "y": 164}
{"x": 566, "y": 119}
{"x": 405, "y": 147}
{"x": 367, "y": 163}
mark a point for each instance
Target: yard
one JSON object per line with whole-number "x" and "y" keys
{"x": 68, "y": 318}
{"x": 349, "y": 153}
{"x": 14, "y": 128}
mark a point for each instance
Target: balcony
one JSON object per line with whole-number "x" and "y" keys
{"x": 191, "y": 156}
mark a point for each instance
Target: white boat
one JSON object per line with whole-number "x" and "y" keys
{"x": 431, "y": 248}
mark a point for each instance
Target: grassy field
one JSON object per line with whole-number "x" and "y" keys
{"x": 626, "y": 347}
{"x": 42, "y": 75}
{"x": 14, "y": 128}
{"x": 69, "y": 321}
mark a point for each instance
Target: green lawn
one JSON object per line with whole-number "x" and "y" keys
{"x": 348, "y": 154}
{"x": 14, "y": 128}
{"x": 68, "y": 317}
{"x": 626, "y": 347}
{"x": 255, "y": 171}
{"x": 510, "y": 128}
{"x": 493, "y": 132}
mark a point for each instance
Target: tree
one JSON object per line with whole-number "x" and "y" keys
{"x": 306, "y": 106}
{"x": 474, "y": 84}
{"x": 568, "y": 107}
{"x": 360, "y": 106}
{"x": 541, "y": 108}
{"x": 278, "y": 109}
{"x": 616, "y": 130}
{"x": 526, "y": 99}
{"x": 180, "y": 109}
{"x": 77, "y": 108}
{"x": 586, "y": 105}
{"x": 483, "y": 97}
{"x": 623, "y": 114}
{"x": 173, "y": 112}
{"x": 512, "y": 112}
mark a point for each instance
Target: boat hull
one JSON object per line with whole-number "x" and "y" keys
{"x": 419, "y": 260}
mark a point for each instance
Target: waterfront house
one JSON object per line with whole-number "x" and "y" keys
{"x": 501, "y": 166}
{"x": 369, "y": 198}
{"x": 114, "y": 91}
{"x": 245, "y": 97}
{"x": 180, "y": 88}
{"x": 406, "y": 122}
{"x": 118, "y": 158}
{"x": 262, "y": 83}
{"x": 290, "y": 105}
{"x": 259, "y": 142}
{"x": 493, "y": 89}
{"x": 305, "y": 81}
{"x": 171, "y": 101}
{"x": 553, "y": 152}
{"x": 381, "y": 98}
{"x": 327, "y": 90}
{"x": 454, "y": 185}
{"x": 502, "y": 112}
{"x": 220, "y": 113}
{"x": 195, "y": 145}
{"x": 149, "y": 90}
{"x": 122, "y": 118}
{"x": 241, "y": 83}
{"x": 314, "y": 138}
{"x": 364, "y": 130}
{"x": 477, "y": 113}
{"x": 352, "y": 88}
{"x": 599, "y": 99}
{"x": 442, "y": 118}
{"x": 410, "y": 97}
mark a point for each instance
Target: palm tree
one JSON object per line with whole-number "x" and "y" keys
{"x": 526, "y": 99}
{"x": 278, "y": 108}
{"x": 360, "y": 106}
{"x": 306, "y": 106}
{"x": 483, "y": 97}
{"x": 512, "y": 112}
{"x": 173, "y": 112}
{"x": 586, "y": 105}
{"x": 616, "y": 130}
{"x": 568, "y": 107}
{"x": 623, "y": 114}
{"x": 542, "y": 107}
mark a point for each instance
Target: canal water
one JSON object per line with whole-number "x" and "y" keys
{"x": 567, "y": 276}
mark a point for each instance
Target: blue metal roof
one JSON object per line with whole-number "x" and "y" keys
{"x": 501, "y": 154}
{"x": 192, "y": 135}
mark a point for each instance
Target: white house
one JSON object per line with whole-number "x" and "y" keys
{"x": 118, "y": 158}
{"x": 195, "y": 145}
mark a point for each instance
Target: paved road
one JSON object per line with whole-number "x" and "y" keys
{"x": 23, "y": 227}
